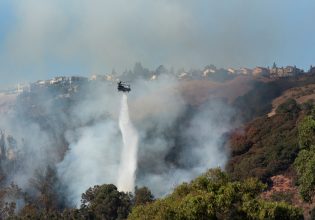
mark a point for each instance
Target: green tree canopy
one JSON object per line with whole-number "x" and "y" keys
{"x": 306, "y": 131}
{"x": 214, "y": 196}
{"x": 305, "y": 162}
{"x": 142, "y": 196}
{"x": 106, "y": 202}
{"x": 305, "y": 168}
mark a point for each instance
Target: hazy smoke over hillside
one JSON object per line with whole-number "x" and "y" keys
{"x": 176, "y": 141}
{"x": 55, "y": 36}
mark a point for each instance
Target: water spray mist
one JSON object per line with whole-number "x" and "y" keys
{"x": 128, "y": 164}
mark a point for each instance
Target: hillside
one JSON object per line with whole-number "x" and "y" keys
{"x": 278, "y": 150}
{"x": 186, "y": 127}
{"x": 258, "y": 101}
{"x": 265, "y": 146}
{"x": 299, "y": 94}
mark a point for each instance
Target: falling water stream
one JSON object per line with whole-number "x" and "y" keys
{"x": 128, "y": 159}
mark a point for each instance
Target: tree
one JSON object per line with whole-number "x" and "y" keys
{"x": 8, "y": 197}
{"x": 48, "y": 186}
{"x": 305, "y": 162}
{"x": 142, "y": 196}
{"x": 306, "y": 131}
{"x": 106, "y": 202}
{"x": 305, "y": 168}
{"x": 274, "y": 66}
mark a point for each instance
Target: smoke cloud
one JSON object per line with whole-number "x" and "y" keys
{"x": 79, "y": 134}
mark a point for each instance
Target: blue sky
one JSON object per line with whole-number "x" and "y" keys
{"x": 42, "y": 39}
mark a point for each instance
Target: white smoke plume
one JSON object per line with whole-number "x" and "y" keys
{"x": 128, "y": 159}
{"x": 176, "y": 141}
{"x": 92, "y": 159}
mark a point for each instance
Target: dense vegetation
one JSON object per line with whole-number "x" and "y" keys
{"x": 214, "y": 196}
{"x": 305, "y": 162}
{"x": 283, "y": 143}
{"x": 266, "y": 146}
{"x": 257, "y": 102}
{"x": 99, "y": 202}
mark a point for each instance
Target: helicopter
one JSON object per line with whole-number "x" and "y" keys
{"x": 123, "y": 87}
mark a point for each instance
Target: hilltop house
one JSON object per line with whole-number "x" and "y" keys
{"x": 261, "y": 71}
{"x": 287, "y": 71}
{"x": 244, "y": 71}
{"x": 66, "y": 82}
{"x": 208, "y": 70}
{"x": 107, "y": 77}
